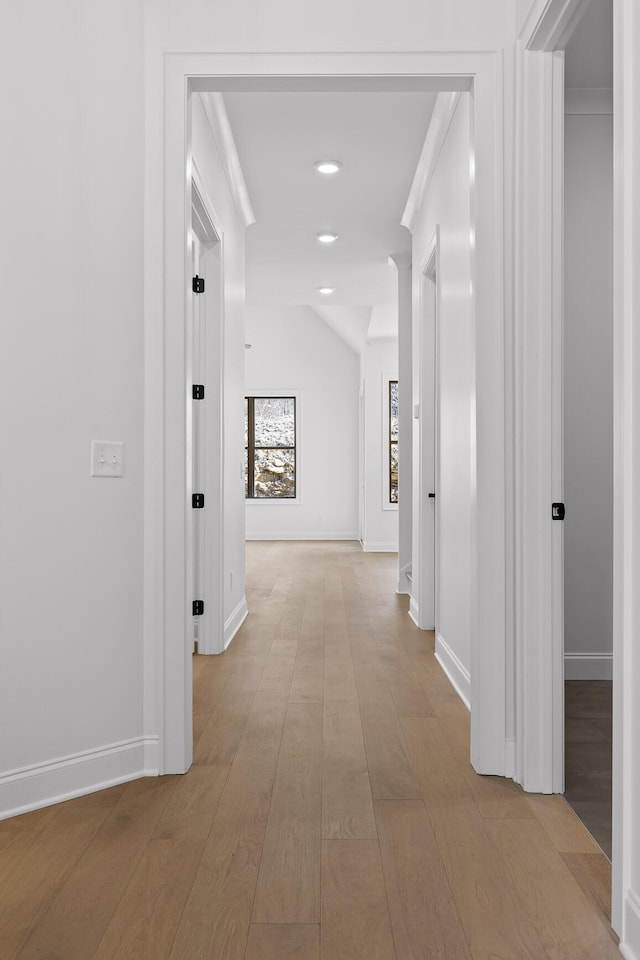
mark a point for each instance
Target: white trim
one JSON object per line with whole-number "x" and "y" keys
{"x": 510, "y": 757}
{"x": 170, "y": 78}
{"x": 42, "y": 784}
{"x": 588, "y": 101}
{"x": 403, "y": 584}
{"x": 588, "y": 666}
{"x": 538, "y": 403}
{"x": 302, "y": 535}
{"x": 380, "y": 546}
{"x": 233, "y": 623}
{"x": 630, "y": 948}
{"x": 443, "y": 111}
{"x": 414, "y": 612}
{"x": 550, "y": 23}
{"x": 455, "y": 670}
{"x": 218, "y": 120}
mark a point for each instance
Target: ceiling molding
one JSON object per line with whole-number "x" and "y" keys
{"x": 401, "y": 261}
{"x": 218, "y": 120}
{"x": 550, "y": 23}
{"x": 442, "y": 116}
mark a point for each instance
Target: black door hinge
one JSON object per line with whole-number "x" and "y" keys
{"x": 557, "y": 511}
{"x": 197, "y": 500}
{"x": 198, "y": 608}
{"x": 197, "y": 284}
{"x": 198, "y": 391}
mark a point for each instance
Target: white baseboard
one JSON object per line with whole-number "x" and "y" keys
{"x": 414, "y": 613}
{"x": 455, "y": 670}
{"x": 510, "y": 758}
{"x": 234, "y": 622}
{"x": 42, "y": 784}
{"x": 374, "y": 546}
{"x": 630, "y": 946}
{"x": 403, "y": 585}
{"x": 588, "y": 666}
{"x": 302, "y": 535}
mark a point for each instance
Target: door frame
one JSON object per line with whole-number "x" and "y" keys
{"x": 423, "y": 602}
{"x": 211, "y": 624}
{"x": 167, "y": 668}
{"x": 539, "y": 561}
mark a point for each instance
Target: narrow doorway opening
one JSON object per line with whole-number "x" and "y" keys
{"x": 588, "y": 419}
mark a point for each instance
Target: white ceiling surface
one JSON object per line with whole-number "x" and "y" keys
{"x": 378, "y": 138}
{"x": 589, "y": 53}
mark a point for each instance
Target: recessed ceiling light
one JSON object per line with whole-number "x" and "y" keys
{"x": 327, "y": 237}
{"x": 327, "y": 166}
{"x": 326, "y": 291}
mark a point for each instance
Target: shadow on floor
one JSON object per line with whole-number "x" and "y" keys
{"x": 588, "y": 751}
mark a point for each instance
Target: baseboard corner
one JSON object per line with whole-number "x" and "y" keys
{"x": 234, "y": 621}
{"x": 455, "y": 670}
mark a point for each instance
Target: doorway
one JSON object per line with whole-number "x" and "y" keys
{"x": 588, "y": 419}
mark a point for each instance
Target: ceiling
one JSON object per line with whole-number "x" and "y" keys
{"x": 589, "y": 52}
{"x": 378, "y": 138}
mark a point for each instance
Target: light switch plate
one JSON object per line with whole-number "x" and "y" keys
{"x": 107, "y": 458}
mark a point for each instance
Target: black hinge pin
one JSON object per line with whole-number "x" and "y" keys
{"x": 197, "y": 284}
{"x": 197, "y": 500}
{"x": 197, "y": 608}
{"x": 198, "y": 391}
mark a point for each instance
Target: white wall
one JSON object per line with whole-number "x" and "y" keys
{"x": 588, "y": 396}
{"x": 447, "y": 205}
{"x": 210, "y": 167}
{"x": 71, "y": 371}
{"x": 292, "y": 349}
{"x": 379, "y": 364}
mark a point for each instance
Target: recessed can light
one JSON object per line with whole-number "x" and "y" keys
{"x": 327, "y": 166}
{"x": 327, "y": 237}
{"x": 326, "y": 291}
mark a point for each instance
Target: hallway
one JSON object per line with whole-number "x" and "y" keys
{"x": 331, "y": 810}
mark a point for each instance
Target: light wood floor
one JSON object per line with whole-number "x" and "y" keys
{"x": 331, "y": 811}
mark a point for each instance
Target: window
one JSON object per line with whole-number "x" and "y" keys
{"x": 393, "y": 441}
{"x": 270, "y": 448}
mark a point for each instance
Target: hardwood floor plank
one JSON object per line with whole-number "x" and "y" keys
{"x": 283, "y": 941}
{"x": 219, "y": 740}
{"x": 408, "y": 694}
{"x": 35, "y": 880}
{"x": 147, "y": 917}
{"x": 562, "y": 826}
{"x": 424, "y": 917}
{"x": 307, "y": 685}
{"x": 215, "y": 922}
{"x": 390, "y": 771}
{"x": 339, "y": 677}
{"x": 193, "y": 804}
{"x": 347, "y": 807}
{"x": 569, "y": 927}
{"x": 436, "y": 770}
{"x": 495, "y": 921}
{"x": 288, "y": 888}
{"x": 77, "y": 918}
{"x": 355, "y": 912}
{"x": 592, "y": 872}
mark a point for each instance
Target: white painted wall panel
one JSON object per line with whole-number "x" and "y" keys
{"x": 71, "y": 260}
{"x": 588, "y": 384}
{"x": 447, "y": 204}
{"x": 292, "y": 349}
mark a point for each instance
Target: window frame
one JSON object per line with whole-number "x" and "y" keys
{"x": 387, "y": 380}
{"x": 267, "y": 394}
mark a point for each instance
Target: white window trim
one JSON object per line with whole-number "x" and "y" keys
{"x": 277, "y": 501}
